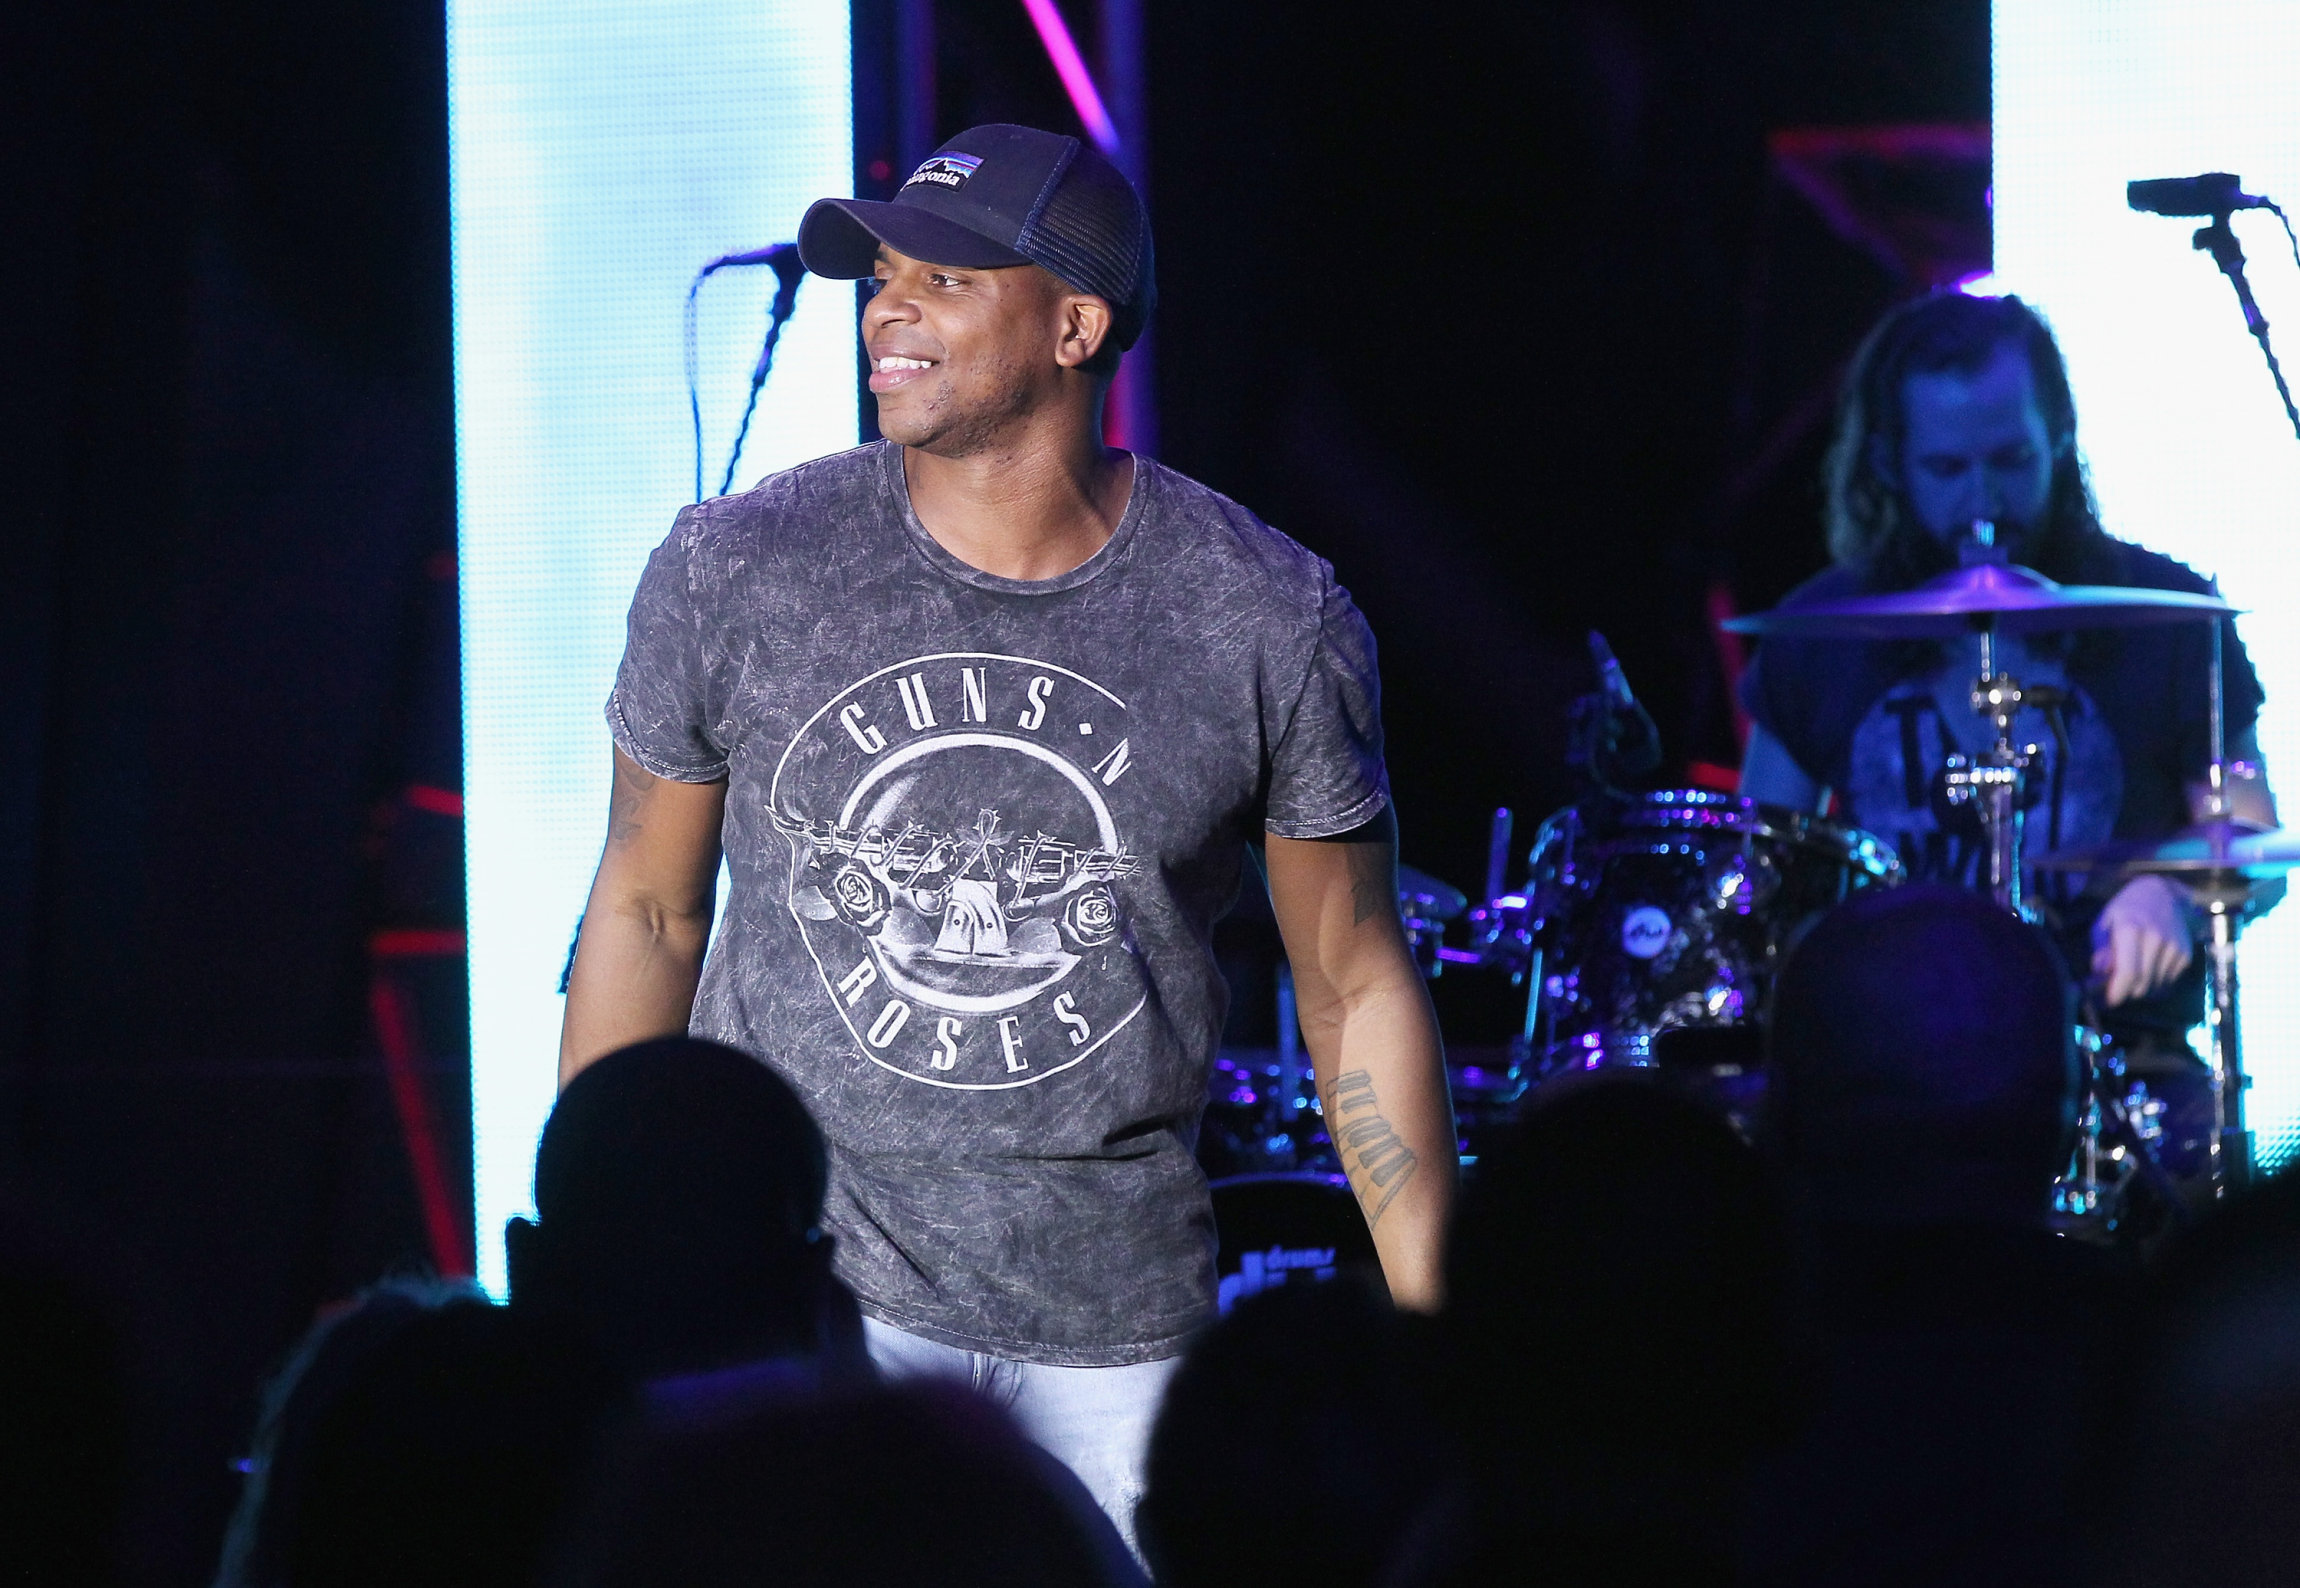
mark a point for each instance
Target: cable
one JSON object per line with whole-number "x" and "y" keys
{"x": 2277, "y": 210}
{"x": 694, "y": 397}
{"x": 743, "y": 430}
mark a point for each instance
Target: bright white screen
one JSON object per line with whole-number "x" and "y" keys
{"x": 602, "y": 151}
{"x": 2189, "y": 447}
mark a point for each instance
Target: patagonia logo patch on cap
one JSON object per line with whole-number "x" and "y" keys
{"x": 945, "y": 170}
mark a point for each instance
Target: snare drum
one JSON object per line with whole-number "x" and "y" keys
{"x": 1287, "y": 1229}
{"x": 1671, "y": 912}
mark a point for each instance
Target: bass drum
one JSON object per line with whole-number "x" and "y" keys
{"x": 1664, "y": 918}
{"x": 1287, "y": 1229}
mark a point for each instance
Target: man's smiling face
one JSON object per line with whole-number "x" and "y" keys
{"x": 956, "y": 353}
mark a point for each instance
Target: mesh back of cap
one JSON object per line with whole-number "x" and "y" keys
{"x": 1093, "y": 234}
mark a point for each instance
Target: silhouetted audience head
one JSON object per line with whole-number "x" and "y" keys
{"x": 869, "y": 1488}
{"x": 677, "y": 1192}
{"x": 1296, "y": 1446}
{"x": 2208, "y": 1454}
{"x": 63, "y": 1417}
{"x": 423, "y": 1435}
{"x": 1618, "y": 1311}
{"x": 1921, "y": 1064}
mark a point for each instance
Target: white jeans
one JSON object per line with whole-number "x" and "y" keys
{"x": 1094, "y": 1420}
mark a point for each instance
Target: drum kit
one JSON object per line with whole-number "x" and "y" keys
{"x": 1651, "y": 926}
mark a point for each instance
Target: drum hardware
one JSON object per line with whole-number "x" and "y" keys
{"x": 2220, "y": 859}
{"x": 1992, "y": 596}
{"x": 2119, "y": 1143}
{"x": 1611, "y": 740}
{"x": 1997, "y": 781}
{"x": 1262, "y": 1111}
{"x": 1667, "y": 915}
{"x": 1425, "y": 905}
{"x": 1292, "y": 1074}
{"x": 1989, "y": 596}
{"x": 1497, "y": 851}
{"x": 1650, "y": 926}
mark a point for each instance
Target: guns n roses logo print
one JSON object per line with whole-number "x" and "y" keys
{"x": 955, "y": 866}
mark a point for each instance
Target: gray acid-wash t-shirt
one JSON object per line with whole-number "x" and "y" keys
{"x": 978, "y": 831}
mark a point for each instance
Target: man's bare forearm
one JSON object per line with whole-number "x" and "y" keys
{"x": 648, "y": 922}
{"x": 1373, "y": 1039}
{"x": 1382, "y": 1086}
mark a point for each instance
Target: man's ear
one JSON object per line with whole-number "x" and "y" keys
{"x": 1086, "y": 331}
{"x": 522, "y": 1255}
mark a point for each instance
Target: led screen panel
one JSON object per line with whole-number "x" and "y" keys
{"x": 601, "y": 153}
{"x": 2188, "y": 443}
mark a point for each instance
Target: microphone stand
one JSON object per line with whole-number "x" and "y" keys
{"x": 789, "y": 273}
{"x": 2219, "y": 240}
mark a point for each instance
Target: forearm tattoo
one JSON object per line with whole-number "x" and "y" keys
{"x": 632, "y": 783}
{"x": 1378, "y": 1161}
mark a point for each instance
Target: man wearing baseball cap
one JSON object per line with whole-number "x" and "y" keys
{"x": 984, "y": 717}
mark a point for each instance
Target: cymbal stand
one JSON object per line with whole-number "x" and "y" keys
{"x": 1995, "y": 781}
{"x": 2223, "y": 895}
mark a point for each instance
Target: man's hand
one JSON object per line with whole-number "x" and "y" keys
{"x": 1374, "y": 1045}
{"x": 2141, "y": 942}
{"x": 649, "y": 919}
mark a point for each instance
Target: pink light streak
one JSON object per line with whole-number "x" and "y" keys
{"x": 1062, "y": 50}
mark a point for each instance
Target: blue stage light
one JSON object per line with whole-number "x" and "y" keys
{"x": 602, "y": 151}
{"x": 2188, "y": 443}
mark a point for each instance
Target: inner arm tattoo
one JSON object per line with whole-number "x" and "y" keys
{"x": 1377, "y": 1159}
{"x": 1373, "y": 882}
{"x": 632, "y": 784}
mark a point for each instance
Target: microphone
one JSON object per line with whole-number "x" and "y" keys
{"x": 1627, "y": 739}
{"x": 2215, "y": 193}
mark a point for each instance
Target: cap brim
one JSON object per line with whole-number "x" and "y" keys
{"x": 840, "y": 238}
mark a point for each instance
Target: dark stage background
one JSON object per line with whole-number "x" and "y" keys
{"x": 1506, "y": 308}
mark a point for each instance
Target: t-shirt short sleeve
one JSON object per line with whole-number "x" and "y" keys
{"x": 1778, "y": 697}
{"x": 660, "y": 712}
{"x": 1326, "y": 771}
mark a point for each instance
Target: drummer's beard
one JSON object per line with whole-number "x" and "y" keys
{"x": 1915, "y": 554}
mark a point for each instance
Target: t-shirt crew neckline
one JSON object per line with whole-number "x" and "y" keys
{"x": 940, "y": 558}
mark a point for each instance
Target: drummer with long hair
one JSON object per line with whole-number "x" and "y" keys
{"x": 1957, "y": 410}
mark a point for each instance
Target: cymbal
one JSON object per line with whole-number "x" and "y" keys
{"x": 1421, "y": 894}
{"x": 2017, "y": 600}
{"x": 2208, "y": 848}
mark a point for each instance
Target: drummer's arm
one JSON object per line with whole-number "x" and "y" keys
{"x": 2145, "y": 934}
{"x": 1374, "y": 1045}
{"x": 1769, "y": 773}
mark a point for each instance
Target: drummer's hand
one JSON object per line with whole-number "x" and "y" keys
{"x": 2141, "y": 942}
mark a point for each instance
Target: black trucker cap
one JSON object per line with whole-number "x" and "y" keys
{"x": 1003, "y": 195}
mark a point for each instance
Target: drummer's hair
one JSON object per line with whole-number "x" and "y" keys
{"x": 1869, "y": 525}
